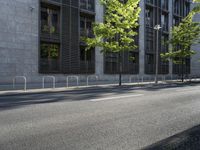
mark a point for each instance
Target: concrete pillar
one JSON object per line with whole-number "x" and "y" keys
{"x": 195, "y": 60}
{"x": 142, "y": 39}
{"x": 170, "y": 26}
{"x": 99, "y": 59}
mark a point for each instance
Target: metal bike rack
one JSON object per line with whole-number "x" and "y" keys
{"x": 75, "y": 77}
{"x": 163, "y": 78}
{"x": 53, "y": 79}
{"x": 23, "y": 77}
{"x": 189, "y": 78}
{"x": 142, "y": 79}
{"x": 177, "y": 78}
{"x": 149, "y": 79}
{"x": 136, "y": 79}
{"x": 130, "y": 79}
{"x": 171, "y": 77}
{"x": 96, "y": 77}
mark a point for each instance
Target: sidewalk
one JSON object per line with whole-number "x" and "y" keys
{"x": 85, "y": 88}
{"x": 36, "y": 88}
{"x": 61, "y": 84}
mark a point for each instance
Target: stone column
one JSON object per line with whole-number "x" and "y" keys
{"x": 99, "y": 59}
{"x": 142, "y": 39}
{"x": 195, "y": 63}
{"x": 170, "y": 26}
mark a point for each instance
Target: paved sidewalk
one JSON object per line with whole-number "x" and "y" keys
{"x": 87, "y": 88}
{"x": 61, "y": 87}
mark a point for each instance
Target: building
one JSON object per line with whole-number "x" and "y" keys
{"x": 42, "y": 37}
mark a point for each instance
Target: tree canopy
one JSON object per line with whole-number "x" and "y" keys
{"x": 117, "y": 33}
{"x": 183, "y": 37}
{"x": 118, "y": 30}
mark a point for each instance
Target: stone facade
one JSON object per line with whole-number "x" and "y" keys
{"x": 195, "y": 61}
{"x": 18, "y": 38}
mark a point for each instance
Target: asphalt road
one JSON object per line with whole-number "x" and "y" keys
{"x": 104, "y": 119}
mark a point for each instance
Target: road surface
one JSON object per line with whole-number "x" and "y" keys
{"x": 103, "y": 119}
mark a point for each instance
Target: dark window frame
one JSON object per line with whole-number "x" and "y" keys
{"x": 88, "y": 5}
{"x": 51, "y": 27}
{"x": 50, "y": 64}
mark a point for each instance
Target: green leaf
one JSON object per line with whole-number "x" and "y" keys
{"x": 119, "y": 28}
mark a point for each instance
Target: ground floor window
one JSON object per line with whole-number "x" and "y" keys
{"x": 130, "y": 63}
{"x": 49, "y": 57}
{"x": 178, "y": 68}
{"x": 149, "y": 64}
{"x": 85, "y": 55}
{"x": 87, "y": 60}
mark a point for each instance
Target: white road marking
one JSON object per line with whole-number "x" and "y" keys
{"x": 189, "y": 89}
{"x": 115, "y": 97}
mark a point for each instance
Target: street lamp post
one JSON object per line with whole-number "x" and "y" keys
{"x": 157, "y": 28}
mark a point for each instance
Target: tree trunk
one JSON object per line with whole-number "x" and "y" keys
{"x": 182, "y": 70}
{"x": 120, "y": 69}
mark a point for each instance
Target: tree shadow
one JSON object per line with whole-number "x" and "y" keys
{"x": 158, "y": 87}
{"x": 186, "y": 140}
{"x": 82, "y": 94}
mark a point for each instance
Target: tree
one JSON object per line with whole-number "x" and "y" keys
{"x": 184, "y": 36}
{"x": 117, "y": 33}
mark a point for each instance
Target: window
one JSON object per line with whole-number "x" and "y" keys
{"x": 91, "y": 5}
{"x": 164, "y": 43}
{"x": 87, "y": 4}
{"x": 176, "y": 7}
{"x": 50, "y": 19}
{"x": 83, "y": 4}
{"x": 187, "y": 9}
{"x": 135, "y": 57}
{"x": 149, "y": 17}
{"x": 85, "y": 55}
{"x": 164, "y": 4}
{"x": 87, "y": 60}
{"x": 149, "y": 65}
{"x": 149, "y": 45}
{"x": 49, "y": 50}
{"x": 149, "y": 1}
{"x": 86, "y": 26}
{"x": 164, "y": 22}
{"x": 150, "y": 59}
{"x": 49, "y": 57}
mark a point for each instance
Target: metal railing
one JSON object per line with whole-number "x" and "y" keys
{"x": 136, "y": 79}
{"x": 14, "y": 81}
{"x": 75, "y": 80}
{"x": 51, "y": 77}
{"x": 150, "y": 79}
{"x": 130, "y": 79}
{"x": 75, "y": 77}
{"x": 92, "y": 76}
{"x": 163, "y": 78}
{"x": 142, "y": 79}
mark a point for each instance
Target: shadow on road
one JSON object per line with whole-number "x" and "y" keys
{"x": 17, "y": 101}
{"x": 186, "y": 140}
{"x": 171, "y": 85}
